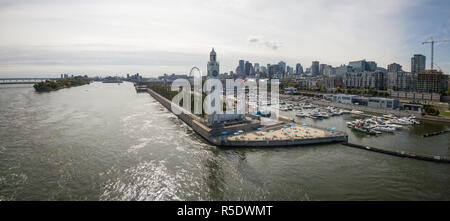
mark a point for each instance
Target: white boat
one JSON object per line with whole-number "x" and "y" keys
{"x": 301, "y": 114}
{"x": 384, "y": 129}
{"x": 345, "y": 111}
{"x": 323, "y": 115}
{"x": 394, "y": 126}
{"x": 307, "y": 106}
{"x": 356, "y": 112}
{"x": 400, "y": 121}
{"x": 389, "y": 116}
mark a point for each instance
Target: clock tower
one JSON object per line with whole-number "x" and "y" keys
{"x": 213, "y": 65}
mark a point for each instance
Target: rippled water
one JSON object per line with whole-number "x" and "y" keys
{"x": 106, "y": 142}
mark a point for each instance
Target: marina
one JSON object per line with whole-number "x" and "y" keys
{"x": 291, "y": 133}
{"x": 253, "y": 134}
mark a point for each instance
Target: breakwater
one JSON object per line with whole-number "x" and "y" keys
{"x": 404, "y": 154}
{"x": 436, "y": 133}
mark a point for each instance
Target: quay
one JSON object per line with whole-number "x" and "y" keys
{"x": 250, "y": 133}
{"x": 140, "y": 88}
{"x": 424, "y": 157}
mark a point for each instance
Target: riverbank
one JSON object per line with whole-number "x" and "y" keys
{"x": 54, "y": 85}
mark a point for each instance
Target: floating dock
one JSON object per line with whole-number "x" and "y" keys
{"x": 252, "y": 134}
{"x": 439, "y": 159}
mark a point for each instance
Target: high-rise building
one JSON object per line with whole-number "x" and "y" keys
{"x": 328, "y": 70}
{"x": 432, "y": 81}
{"x": 358, "y": 66}
{"x": 371, "y": 66}
{"x": 376, "y": 80}
{"x": 401, "y": 81}
{"x": 256, "y": 67}
{"x": 417, "y": 63}
{"x": 315, "y": 68}
{"x": 298, "y": 68}
{"x": 322, "y": 68}
{"x": 247, "y": 68}
{"x": 394, "y": 67}
{"x": 341, "y": 70}
{"x": 213, "y": 65}
{"x": 240, "y": 68}
{"x": 274, "y": 71}
{"x": 289, "y": 70}
{"x": 263, "y": 69}
{"x": 363, "y": 65}
{"x": 282, "y": 66}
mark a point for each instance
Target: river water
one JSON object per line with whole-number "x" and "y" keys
{"x": 106, "y": 142}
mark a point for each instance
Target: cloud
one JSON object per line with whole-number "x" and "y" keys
{"x": 159, "y": 33}
{"x": 274, "y": 45}
{"x": 253, "y": 39}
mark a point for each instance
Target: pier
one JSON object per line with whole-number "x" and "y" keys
{"x": 251, "y": 134}
{"x": 436, "y": 133}
{"x": 403, "y": 154}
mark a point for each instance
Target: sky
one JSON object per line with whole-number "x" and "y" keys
{"x": 45, "y": 38}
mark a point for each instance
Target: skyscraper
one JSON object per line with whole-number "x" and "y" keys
{"x": 417, "y": 63}
{"x": 247, "y": 68}
{"x": 298, "y": 69}
{"x": 322, "y": 68}
{"x": 282, "y": 66}
{"x": 240, "y": 68}
{"x": 315, "y": 68}
{"x": 256, "y": 67}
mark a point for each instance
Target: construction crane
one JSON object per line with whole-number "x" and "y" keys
{"x": 432, "y": 48}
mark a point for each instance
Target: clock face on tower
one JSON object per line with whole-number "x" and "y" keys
{"x": 215, "y": 73}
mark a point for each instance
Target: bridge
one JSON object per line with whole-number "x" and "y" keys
{"x": 23, "y": 80}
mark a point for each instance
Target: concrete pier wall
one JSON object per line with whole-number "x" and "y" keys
{"x": 278, "y": 143}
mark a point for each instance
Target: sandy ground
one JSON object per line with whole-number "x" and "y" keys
{"x": 289, "y": 133}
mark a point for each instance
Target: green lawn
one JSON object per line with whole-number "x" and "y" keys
{"x": 447, "y": 113}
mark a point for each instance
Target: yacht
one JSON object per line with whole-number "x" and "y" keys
{"x": 356, "y": 112}
{"x": 384, "y": 129}
{"x": 301, "y": 114}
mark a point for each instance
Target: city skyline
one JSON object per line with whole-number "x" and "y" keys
{"x": 50, "y": 38}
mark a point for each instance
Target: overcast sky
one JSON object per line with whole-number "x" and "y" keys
{"x": 47, "y": 38}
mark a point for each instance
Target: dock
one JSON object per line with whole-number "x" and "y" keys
{"x": 439, "y": 159}
{"x": 436, "y": 133}
{"x": 251, "y": 134}
{"x": 140, "y": 88}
